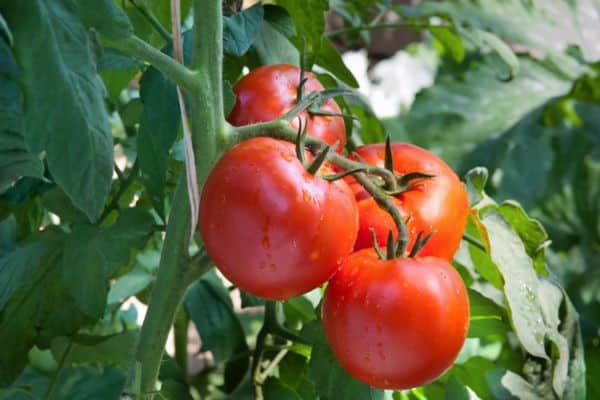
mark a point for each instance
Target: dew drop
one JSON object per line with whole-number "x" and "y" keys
{"x": 286, "y": 156}
{"x": 265, "y": 242}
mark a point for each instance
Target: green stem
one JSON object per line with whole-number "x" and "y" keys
{"x": 139, "y": 49}
{"x": 180, "y": 329}
{"x": 210, "y": 131}
{"x": 204, "y": 89}
{"x": 167, "y": 294}
{"x": 280, "y": 129}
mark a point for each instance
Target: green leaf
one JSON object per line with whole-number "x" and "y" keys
{"x": 507, "y": 59}
{"x": 272, "y": 45}
{"x": 114, "y": 351}
{"x": 452, "y": 116}
{"x": 486, "y": 318}
{"x": 34, "y": 305}
{"x": 87, "y": 383}
{"x": 15, "y": 158}
{"x": 542, "y": 24}
{"x": 329, "y": 58}
{"x": 53, "y": 48}
{"x": 331, "y": 380}
{"x": 309, "y": 20}
{"x": 531, "y": 232}
{"x": 508, "y": 385}
{"x": 129, "y": 285}
{"x": 159, "y": 124}
{"x": 209, "y": 307}
{"x": 450, "y": 41}
{"x": 117, "y": 70}
{"x": 105, "y": 17}
{"x": 520, "y": 283}
{"x": 458, "y": 391}
{"x": 56, "y": 201}
{"x": 240, "y": 31}
{"x": 274, "y": 388}
{"x": 103, "y": 251}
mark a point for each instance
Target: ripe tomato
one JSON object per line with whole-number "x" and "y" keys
{"x": 439, "y": 204}
{"x": 398, "y": 323}
{"x": 271, "y": 228}
{"x": 270, "y": 91}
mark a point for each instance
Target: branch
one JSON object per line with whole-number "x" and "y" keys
{"x": 137, "y": 48}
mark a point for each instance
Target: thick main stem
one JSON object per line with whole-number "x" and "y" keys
{"x": 169, "y": 287}
{"x": 209, "y": 130}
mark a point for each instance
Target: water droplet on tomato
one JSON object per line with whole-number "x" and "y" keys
{"x": 273, "y": 267}
{"x": 287, "y": 156}
{"x": 306, "y": 196}
{"x": 265, "y": 242}
{"x": 314, "y": 255}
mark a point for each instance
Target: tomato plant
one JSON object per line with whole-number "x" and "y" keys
{"x": 272, "y": 228}
{"x": 270, "y": 91}
{"x": 114, "y": 114}
{"x": 436, "y": 205}
{"x": 396, "y": 323}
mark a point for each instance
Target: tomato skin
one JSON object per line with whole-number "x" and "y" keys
{"x": 371, "y": 216}
{"x": 395, "y": 324}
{"x": 271, "y": 228}
{"x": 269, "y": 91}
{"x": 439, "y": 204}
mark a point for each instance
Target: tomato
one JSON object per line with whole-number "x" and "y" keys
{"x": 271, "y": 228}
{"x": 268, "y": 92}
{"x": 439, "y": 204}
{"x": 395, "y": 324}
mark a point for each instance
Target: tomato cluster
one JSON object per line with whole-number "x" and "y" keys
{"x": 278, "y": 229}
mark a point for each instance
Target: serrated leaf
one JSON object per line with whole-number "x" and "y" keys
{"x": 53, "y": 48}
{"x": 240, "y": 31}
{"x": 102, "y": 251}
{"x": 331, "y": 380}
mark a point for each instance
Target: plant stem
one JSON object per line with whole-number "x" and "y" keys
{"x": 280, "y": 129}
{"x": 204, "y": 89}
{"x": 139, "y": 49}
{"x": 124, "y": 184}
{"x": 169, "y": 287}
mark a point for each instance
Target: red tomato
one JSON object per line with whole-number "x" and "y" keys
{"x": 271, "y": 228}
{"x": 398, "y": 323}
{"x": 439, "y": 204}
{"x": 270, "y": 91}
